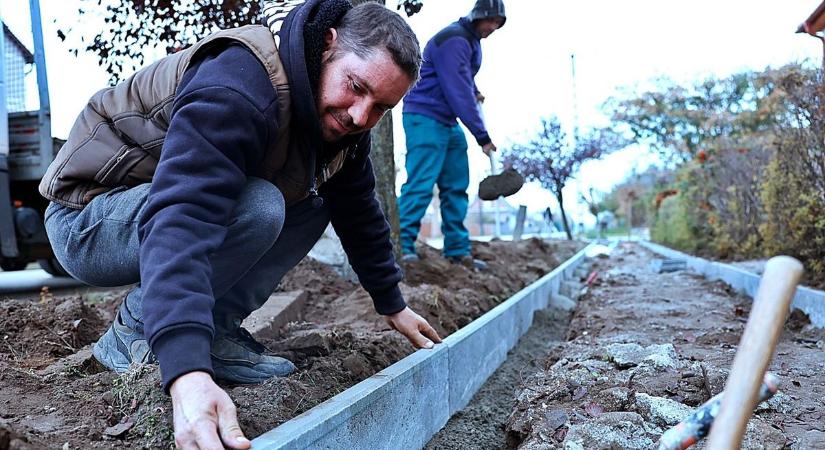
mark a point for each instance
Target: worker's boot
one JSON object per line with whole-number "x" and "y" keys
{"x": 468, "y": 262}
{"x": 121, "y": 346}
{"x": 238, "y": 358}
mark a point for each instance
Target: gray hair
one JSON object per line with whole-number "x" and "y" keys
{"x": 370, "y": 26}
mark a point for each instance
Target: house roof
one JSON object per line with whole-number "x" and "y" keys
{"x": 27, "y": 55}
{"x": 815, "y": 22}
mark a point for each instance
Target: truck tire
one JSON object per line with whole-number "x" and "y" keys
{"x": 12, "y": 265}
{"x": 53, "y": 267}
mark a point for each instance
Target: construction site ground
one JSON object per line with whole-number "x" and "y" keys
{"x": 54, "y": 395}
{"x": 641, "y": 351}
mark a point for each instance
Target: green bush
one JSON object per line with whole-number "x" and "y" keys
{"x": 794, "y": 224}
{"x": 673, "y": 226}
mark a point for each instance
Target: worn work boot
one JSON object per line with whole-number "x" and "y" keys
{"x": 410, "y": 257}
{"x": 238, "y": 358}
{"x": 120, "y": 346}
{"x": 468, "y": 262}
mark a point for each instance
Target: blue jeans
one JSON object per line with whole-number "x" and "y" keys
{"x": 436, "y": 154}
{"x": 99, "y": 246}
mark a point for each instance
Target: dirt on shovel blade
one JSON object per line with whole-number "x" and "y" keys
{"x": 502, "y": 185}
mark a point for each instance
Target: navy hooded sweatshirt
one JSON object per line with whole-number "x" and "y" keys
{"x": 224, "y": 117}
{"x": 447, "y": 88}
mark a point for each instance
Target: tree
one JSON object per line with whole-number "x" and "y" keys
{"x": 549, "y": 159}
{"x": 679, "y": 122}
{"x": 593, "y": 199}
{"x": 134, "y": 27}
{"x": 138, "y": 25}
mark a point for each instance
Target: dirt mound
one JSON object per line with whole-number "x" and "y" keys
{"x": 450, "y": 296}
{"x": 34, "y": 334}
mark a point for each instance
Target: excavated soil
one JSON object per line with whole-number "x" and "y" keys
{"x": 644, "y": 349}
{"x": 54, "y": 395}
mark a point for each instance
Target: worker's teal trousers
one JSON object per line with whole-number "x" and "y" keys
{"x": 436, "y": 155}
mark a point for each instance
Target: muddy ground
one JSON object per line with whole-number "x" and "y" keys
{"x": 644, "y": 349}
{"x": 53, "y": 395}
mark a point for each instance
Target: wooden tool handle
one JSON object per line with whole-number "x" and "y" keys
{"x": 770, "y": 308}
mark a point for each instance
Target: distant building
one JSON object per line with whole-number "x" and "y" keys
{"x": 481, "y": 217}
{"x": 17, "y": 57}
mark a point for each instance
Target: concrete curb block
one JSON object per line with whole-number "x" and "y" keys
{"x": 810, "y": 301}
{"x": 404, "y": 405}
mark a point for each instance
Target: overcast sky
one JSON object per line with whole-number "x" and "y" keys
{"x": 526, "y": 72}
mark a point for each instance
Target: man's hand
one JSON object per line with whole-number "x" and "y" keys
{"x": 205, "y": 417}
{"x": 413, "y": 327}
{"x": 488, "y": 148}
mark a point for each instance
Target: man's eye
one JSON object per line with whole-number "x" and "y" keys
{"x": 355, "y": 87}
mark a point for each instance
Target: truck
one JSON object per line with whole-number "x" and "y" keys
{"x": 26, "y": 150}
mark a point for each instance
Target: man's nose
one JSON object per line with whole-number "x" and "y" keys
{"x": 360, "y": 113}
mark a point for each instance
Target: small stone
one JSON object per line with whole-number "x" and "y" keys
{"x": 118, "y": 430}
{"x": 555, "y": 418}
{"x": 625, "y": 430}
{"x": 661, "y": 411}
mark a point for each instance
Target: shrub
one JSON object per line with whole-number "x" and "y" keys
{"x": 673, "y": 226}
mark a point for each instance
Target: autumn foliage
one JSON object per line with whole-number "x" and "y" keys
{"x": 749, "y": 176}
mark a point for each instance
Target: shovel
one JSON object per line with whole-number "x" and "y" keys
{"x": 504, "y": 184}
{"x": 495, "y": 185}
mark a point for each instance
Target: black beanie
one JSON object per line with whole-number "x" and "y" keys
{"x": 485, "y": 9}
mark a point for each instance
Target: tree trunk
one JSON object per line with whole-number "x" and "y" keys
{"x": 383, "y": 163}
{"x": 560, "y": 199}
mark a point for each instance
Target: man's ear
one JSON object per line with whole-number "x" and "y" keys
{"x": 330, "y": 36}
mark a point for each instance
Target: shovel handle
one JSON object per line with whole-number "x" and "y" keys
{"x": 770, "y": 308}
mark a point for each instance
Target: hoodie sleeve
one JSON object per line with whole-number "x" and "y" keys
{"x": 452, "y": 66}
{"x": 359, "y": 221}
{"x": 222, "y": 119}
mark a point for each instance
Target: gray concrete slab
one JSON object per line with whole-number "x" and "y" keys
{"x": 280, "y": 309}
{"x": 479, "y": 348}
{"x": 810, "y": 301}
{"x": 399, "y": 407}
{"x": 404, "y": 405}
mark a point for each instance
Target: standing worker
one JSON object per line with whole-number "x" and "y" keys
{"x": 436, "y": 146}
{"x": 208, "y": 175}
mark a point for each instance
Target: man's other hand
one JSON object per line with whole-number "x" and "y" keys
{"x": 488, "y": 148}
{"x": 205, "y": 417}
{"x": 414, "y": 328}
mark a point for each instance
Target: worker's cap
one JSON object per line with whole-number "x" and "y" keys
{"x": 485, "y": 9}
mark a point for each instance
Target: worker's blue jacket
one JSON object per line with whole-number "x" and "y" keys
{"x": 447, "y": 89}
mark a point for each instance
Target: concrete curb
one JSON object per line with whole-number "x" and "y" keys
{"x": 810, "y": 301}
{"x": 404, "y": 405}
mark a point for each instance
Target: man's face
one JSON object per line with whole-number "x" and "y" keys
{"x": 354, "y": 92}
{"x": 485, "y": 27}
